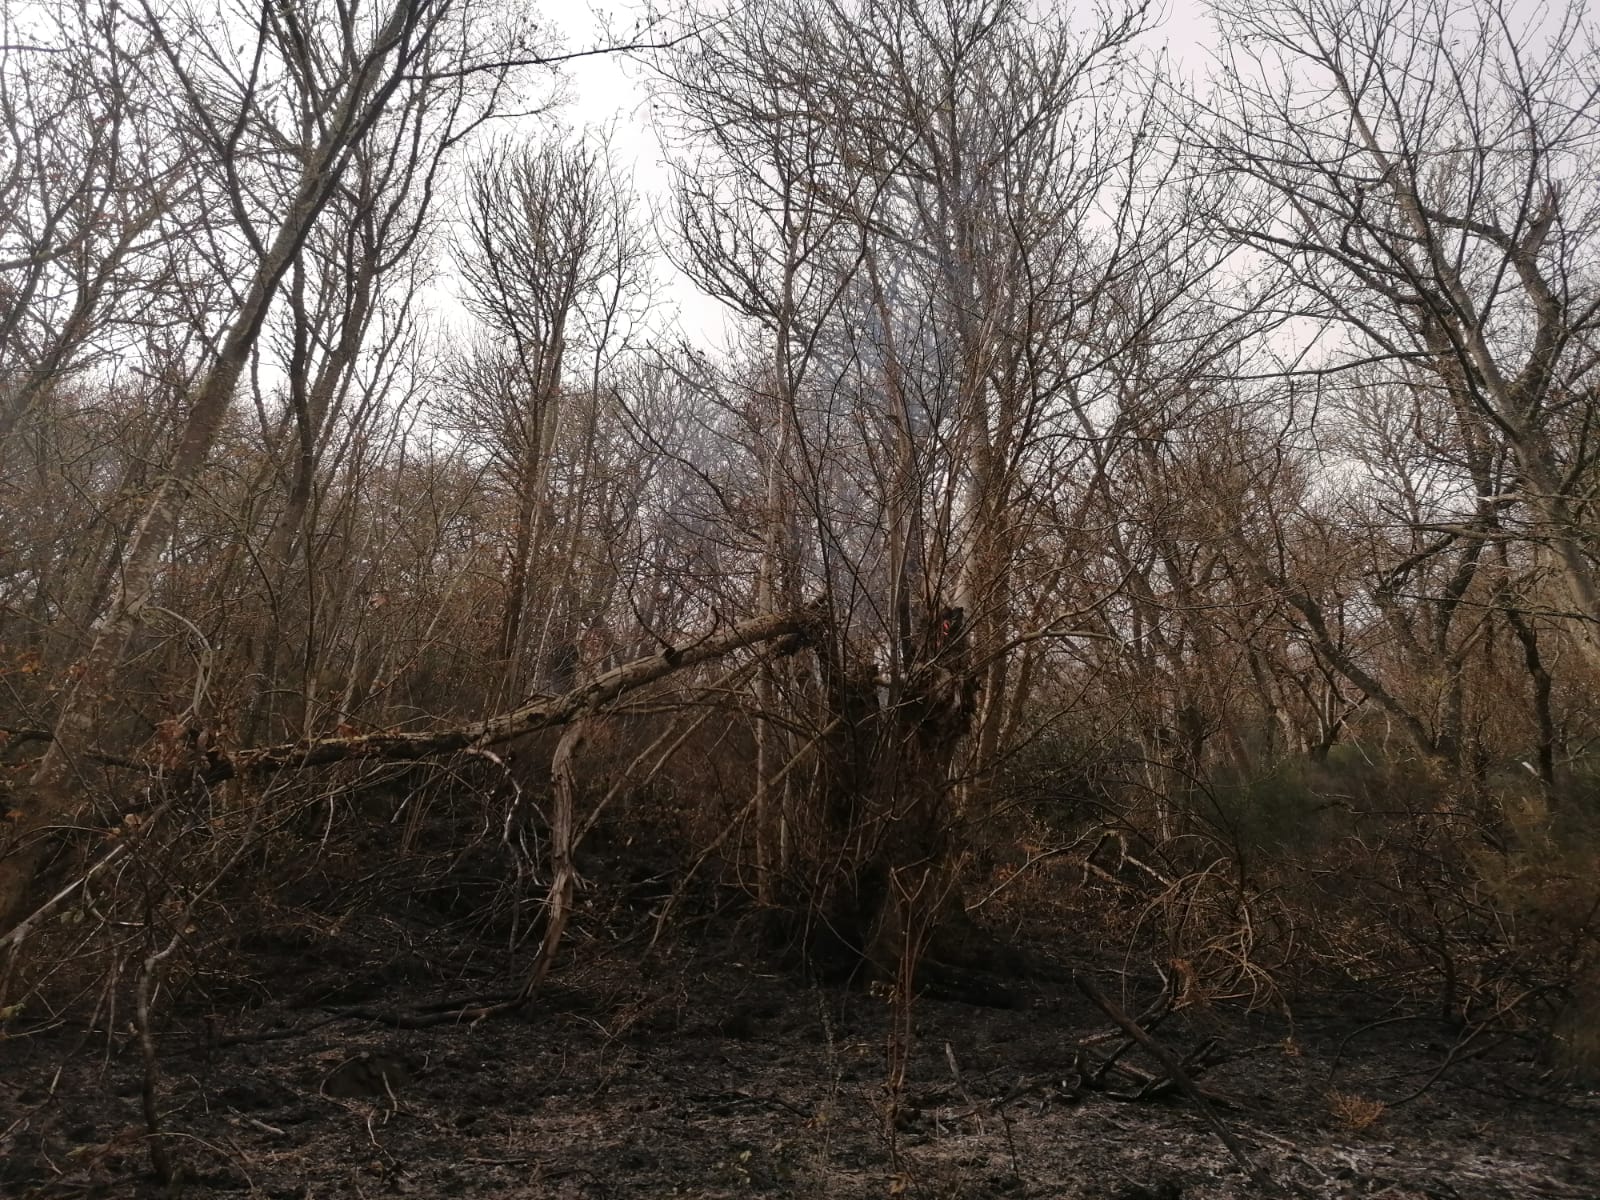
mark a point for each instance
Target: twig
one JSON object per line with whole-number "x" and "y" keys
{"x": 955, "y": 1073}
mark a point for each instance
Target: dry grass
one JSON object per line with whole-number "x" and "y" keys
{"x": 1354, "y": 1113}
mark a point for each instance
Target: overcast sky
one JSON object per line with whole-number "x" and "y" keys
{"x": 608, "y": 88}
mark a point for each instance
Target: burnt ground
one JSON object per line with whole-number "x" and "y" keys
{"x": 711, "y": 1073}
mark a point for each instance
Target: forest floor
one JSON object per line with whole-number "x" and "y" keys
{"x": 709, "y": 1073}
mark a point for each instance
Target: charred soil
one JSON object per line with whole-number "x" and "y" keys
{"x": 705, "y": 1069}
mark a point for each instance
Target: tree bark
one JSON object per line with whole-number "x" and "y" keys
{"x": 546, "y": 712}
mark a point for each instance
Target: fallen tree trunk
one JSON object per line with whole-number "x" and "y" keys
{"x": 545, "y": 712}
{"x": 20, "y": 856}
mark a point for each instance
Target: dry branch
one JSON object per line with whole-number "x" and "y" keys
{"x": 1181, "y": 1077}
{"x": 544, "y": 712}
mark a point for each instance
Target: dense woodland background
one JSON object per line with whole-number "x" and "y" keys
{"x": 1196, "y": 480}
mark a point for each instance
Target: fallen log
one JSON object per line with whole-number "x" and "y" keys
{"x": 22, "y": 846}
{"x": 544, "y": 712}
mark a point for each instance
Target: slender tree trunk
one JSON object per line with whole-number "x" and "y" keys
{"x": 311, "y": 407}
{"x": 517, "y": 580}
{"x": 767, "y": 815}
{"x": 533, "y": 503}
{"x": 563, "y": 844}
{"x": 1543, "y": 713}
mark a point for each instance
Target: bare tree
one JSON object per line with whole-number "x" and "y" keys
{"x": 1427, "y": 178}
{"x": 347, "y": 73}
{"x": 93, "y": 195}
{"x": 906, "y": 203}
{"x": 552, "y": 258}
